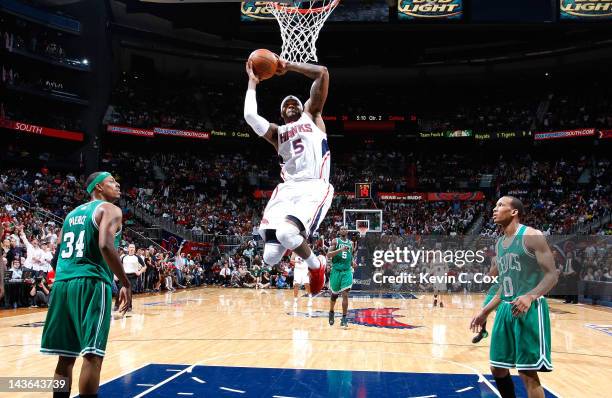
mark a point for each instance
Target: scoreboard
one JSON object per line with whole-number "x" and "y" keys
{"x": 363, "y": 190}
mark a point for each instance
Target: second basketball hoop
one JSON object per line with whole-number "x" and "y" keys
{"x": 363, "y": 227}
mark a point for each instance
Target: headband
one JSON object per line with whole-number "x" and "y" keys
{"x": 292, "y": 97}
{"x": 97, "y": 180}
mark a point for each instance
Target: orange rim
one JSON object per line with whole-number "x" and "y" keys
{"x": 293, "y": 10}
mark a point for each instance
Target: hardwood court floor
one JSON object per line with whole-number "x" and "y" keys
{"x": 261, "y": 328}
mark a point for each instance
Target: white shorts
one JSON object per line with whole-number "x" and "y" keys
{"x": 300, "y": 276}
{"x": 307, "y": 200}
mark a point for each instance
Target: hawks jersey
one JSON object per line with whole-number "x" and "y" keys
{"x": 304, "y": 150}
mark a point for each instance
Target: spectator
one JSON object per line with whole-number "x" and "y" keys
{"x": 39, "y": 293}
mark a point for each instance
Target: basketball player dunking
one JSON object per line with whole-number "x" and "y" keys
{"x": 299, "y": 204}
{"x": 521, "y": 333}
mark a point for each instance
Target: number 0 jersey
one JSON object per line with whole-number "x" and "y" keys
{"x": 304, "y": 150}
{"x": 80, "y": 254}
{"x": 518, "y": 268}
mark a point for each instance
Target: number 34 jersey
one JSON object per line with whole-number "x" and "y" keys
{"x": 518, "y": 268}
{"x": 304, "y": 150}
{"x": 79, "y": 253}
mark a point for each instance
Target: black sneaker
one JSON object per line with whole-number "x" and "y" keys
{"x": 331, "y": 318}
{"x": 481, "y": 335}
{"x": 344, "y": 322}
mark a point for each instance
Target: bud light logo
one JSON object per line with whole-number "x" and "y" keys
{"x": 255, "y": 10}
{"x": 586, "y": 9}
{"x": 430, "y": 9}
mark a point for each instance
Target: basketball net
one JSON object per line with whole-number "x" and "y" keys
{"x": 363, "y": 230}
{"x": 300, "y": 23}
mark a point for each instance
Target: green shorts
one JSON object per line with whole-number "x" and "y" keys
{"x": 490, "y": 294}
{"x": 339, "y": 281}
{"x": 78, "y": 319}
{"x": 522, "y": 342}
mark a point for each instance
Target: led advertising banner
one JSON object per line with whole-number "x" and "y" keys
{"x": 422, "y": 10}
{"x": 555, "y": 135}
{"x": 586, "y": 9}
{"x": 41, "y": 130}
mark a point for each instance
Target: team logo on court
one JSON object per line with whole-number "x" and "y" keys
{"x": 372, "y": 317}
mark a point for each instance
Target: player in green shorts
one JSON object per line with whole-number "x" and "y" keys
{"x": 490, "y": 294}
{"x": 521, "y": 333}
{"x": 341, "y": 275}
{"x": 78, "y": 319}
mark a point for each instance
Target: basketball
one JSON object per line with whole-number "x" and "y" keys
{"x": 264, "y": 63}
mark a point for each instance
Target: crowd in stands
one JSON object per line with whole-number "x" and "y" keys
{"x": 24, "y": 36}
{"x": 561, "y": 195}
{"x": 207, "y": 195}
{"x": 188, "y": 102}
{"x": 24, "y": 114}
{"x": 214, "y": 195}
{"x": 486, "y": 115}
{"x": 586, "y": 108}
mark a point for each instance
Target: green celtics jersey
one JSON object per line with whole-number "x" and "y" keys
{"x": 343, "y": 260}
{"x": 79, "y": 254}
{"x": 519, "y": 271}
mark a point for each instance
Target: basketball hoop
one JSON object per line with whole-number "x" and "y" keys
{"x": 363, "y": 231}
{"x": 363, "y": 226}
{"x": 300, "y": 23}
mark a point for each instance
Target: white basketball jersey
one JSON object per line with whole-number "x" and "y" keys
{"x": 299, "y": 264}
{"x": 304, "y": 150}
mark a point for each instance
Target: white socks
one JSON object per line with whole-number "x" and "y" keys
{"x": 312, "y": 261}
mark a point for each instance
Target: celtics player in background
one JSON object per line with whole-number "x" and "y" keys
{"x": 341, "y": 275}
{"x": 78, "y": 319}
{"x": 521, "y": 333}
{"x": 490, "y": 294}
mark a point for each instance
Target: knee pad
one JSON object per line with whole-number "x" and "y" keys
{"x": 273, "y": 252}
{"x": 289, "y": 236}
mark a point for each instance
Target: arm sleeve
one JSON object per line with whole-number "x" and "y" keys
{"x": 258, "y": 123}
